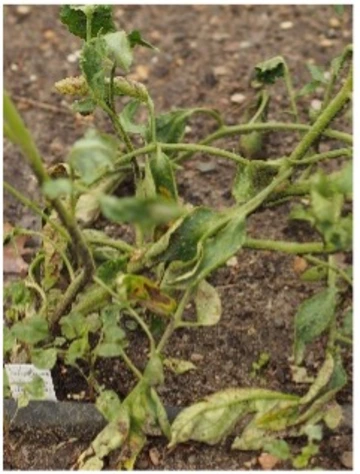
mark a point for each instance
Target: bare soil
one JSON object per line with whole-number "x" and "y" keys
{"x": 206, "y": 55}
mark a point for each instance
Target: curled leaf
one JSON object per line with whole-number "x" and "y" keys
{"x": 213, "y": 419}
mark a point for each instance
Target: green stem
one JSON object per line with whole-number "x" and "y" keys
{"x": 263, "y": 104}
{"x": 195, "y": 148}
{"x": 27, "y": 145}
{"x": 331, "y": 284}
{"x": 291, "y": 92}
{"x": 211, "y": 112}
{"x": 328, "y": 155}
{"x": 107, "y": 242}
{"x": 331, "y": 267}
{"x": 174, "y": 322}
{"x": 89, "y": 16}
{"x": 323, "y": 120}
{"x": 144, "y": 327}
{"x": 300, "y": 150}
{"x": 70, "y": 294}
{"x": 335, "y": 73}
{"x": 119, "y": 129}
{"x": 112, "y": 94}
{"x": 31, "y": 205}
{"x": 130, "y": 364}
{"x": 151, "y": 110}
{"x": 283, "y": 246}
{"x": 341, "y": 338}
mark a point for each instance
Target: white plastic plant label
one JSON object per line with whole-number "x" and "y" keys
{"x": 23, "y": 377}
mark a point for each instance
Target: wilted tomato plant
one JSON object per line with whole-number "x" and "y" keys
{"x": 82, "y": 281}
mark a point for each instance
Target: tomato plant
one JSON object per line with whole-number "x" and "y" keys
{"x": 72, "y": 303}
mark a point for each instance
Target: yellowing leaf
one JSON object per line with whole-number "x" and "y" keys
{"x": 214, "y": 418}
{"x": 208, "y": 304}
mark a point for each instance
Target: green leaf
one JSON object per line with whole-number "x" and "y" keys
{"x": 154, "y": 371}
{"x": 73, "y": 326}
{"x": 44, "y": 358}
{"x": 313, "y": 432}
{"x": 278, "y": 448}
{"x": 322, "y": 379}
{"x": 31, "y": 330}
{"x": 126, "y": 118}
{"x": 268, "y": 71}
{"x": 136, "y": 39}
{"x": 108, "y": 403}
{"x": 178, "y": 366}
{"x": 343, "y": 180}
{"x": 217, "y": 250}
{"x": 93, "y": 67}
{"x": 18, "y": 293}
{"x": 251, "y": 144}
{"x": 92, "y": 155}
{"x": 139, "y": 211}
{"x": 34, "y": 390}
{"x": 9, "y": 339}
{"x": 56, "y": 188}
{"x": 208, "y": 304}
{"x": 84, "y": 107}
{"x": 250, "y": 180}
{"x": 302, "y": 460}
{"x": 317, "y": 74}
{"x": 163, "y": 175}
{"x": 160, "y": 413}
{"x": 170, "y": 127}
{"x": 109, "y": 349}
{"x": 316, "y": 273}
{"x": 308, "y": 88}
{"x": 339, "y": 377}
{"x": 347, "y": 325}
{"x": 78, "y": 349}
{"x": 183, "y": 241}
{"x": 75, "y": 19}
{"x": 333, "y": 416}
{"x": 109, "y": 270}
{"x": 312, "y": 318}
{"x": 213, "y": 419}
{"x": 119, "y": 49}
{"x": 110, "y": 438}
{"x": 339, "y": 9}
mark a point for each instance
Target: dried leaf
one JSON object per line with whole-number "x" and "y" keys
{"x": 13, "y": 253}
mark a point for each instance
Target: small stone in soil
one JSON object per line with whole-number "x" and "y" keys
{"x": 221, "y": 71}
{"x": 154, "y": 456}
{"x": 206, "y": 167}
{"x": 334, "y": 22}
{"x": 347, "y": 459}
{"x": 316, "y": 104}
{"x": 245, "y": 44}
{"x": 326, "y": 43}
{"x": 232, "y": 262}
{"x": 23, "y": 10}
{"x": 192, "y": 459}
{"x": 196, "y": 357}
{"x": 238, "y": 98}
{"x": 286, "y": 25}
